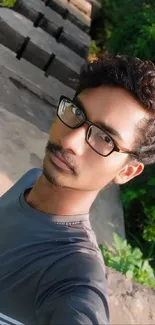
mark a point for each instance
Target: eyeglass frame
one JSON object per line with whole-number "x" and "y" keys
{"x": 116, "y": 148}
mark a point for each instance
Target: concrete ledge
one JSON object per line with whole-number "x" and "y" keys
{"x": 41, "y": 48}
{"x": 68, "y": 11}
{"x": 83, "y": 6}
{"x": 51, "y": 22}
{"x": 107, "y": 215}
{"x": 49, "y": 89}
{"x": 78, "y": 18}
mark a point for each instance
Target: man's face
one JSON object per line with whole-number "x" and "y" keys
{"x": 114, "y": 107}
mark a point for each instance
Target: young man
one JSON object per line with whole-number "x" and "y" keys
{"x": 52, "y": 271}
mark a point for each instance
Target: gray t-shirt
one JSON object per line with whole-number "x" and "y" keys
{"x": 51, "y": 269}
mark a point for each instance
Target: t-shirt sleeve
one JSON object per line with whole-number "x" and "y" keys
{"x": 79, "y": 297}
{"x": 81, "y": 306}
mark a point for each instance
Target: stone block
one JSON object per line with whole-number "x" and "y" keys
{"x": 69, "y": 40}
{"x": 67, "y": 25}
{"x": 32, "y": 78}
{"x": 78, "y": 18}
{"x": 83, "y": 6}
{"x": 51, "y": 22}
{"x": 14, "y": 28}
{"x": 70, "y": 12}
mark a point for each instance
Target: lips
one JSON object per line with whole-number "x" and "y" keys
{"x": 60, "y": 161}
{"x": 59, "y": 156}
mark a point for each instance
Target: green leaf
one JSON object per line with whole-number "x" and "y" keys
{"x": 119, "y": 243}
{"x": 142, "y": 191}
{"x": 151, "y": 182}
{"x": 129, "y": 261}
{"x": 130, "y": 274}
{"x": 7, "y": 3}
{"x": 137, "y": 254}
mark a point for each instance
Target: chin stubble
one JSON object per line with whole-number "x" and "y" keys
{"x": 52, "y": 180}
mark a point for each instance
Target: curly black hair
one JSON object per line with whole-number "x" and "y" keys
{"x": 134, "y": 75}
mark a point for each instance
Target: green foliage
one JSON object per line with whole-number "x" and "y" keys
{"x": 7, "y": 3}
{"x": 93, "y": 48}
{"x": 138, "y": 197}
{"x": 129, "y": 261}
{"x": 149, "y": 232}
{"x": 111, "y": 14}
{"x": 127, "y": 27}
{"x": 135, "y": 35}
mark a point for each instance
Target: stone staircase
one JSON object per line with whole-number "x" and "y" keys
{"x": 63, "y": 30}
{"x": 53, "y": 35}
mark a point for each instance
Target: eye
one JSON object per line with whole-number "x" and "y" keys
{"x": 107, "y": 139}
{"x": 76, "y": 111}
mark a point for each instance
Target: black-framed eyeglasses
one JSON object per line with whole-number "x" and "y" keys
{"x": 98, "y": 139}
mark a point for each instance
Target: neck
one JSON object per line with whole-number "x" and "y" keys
{"x": 51, "y": 199}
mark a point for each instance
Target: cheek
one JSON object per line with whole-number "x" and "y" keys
{"x": 56, "y": 129}
{"x": 102, "y": 169}
{"x": 101, "y": 164}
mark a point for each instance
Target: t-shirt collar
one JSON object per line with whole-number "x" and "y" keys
{"x": 53, "y": 217}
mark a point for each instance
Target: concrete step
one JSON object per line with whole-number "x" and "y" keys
{"x": 83, "y": 5}
{"x": 36, "y": 46}
{"x": 63, "y": 30}
{"x": 70, "y": 12}
{"x": 32, "y": 78}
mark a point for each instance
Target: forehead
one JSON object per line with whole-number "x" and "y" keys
{"x": 115, "y": 107}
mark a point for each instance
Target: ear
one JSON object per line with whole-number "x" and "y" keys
{"x": 128, "y": 172}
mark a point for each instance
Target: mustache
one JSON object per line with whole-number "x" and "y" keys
{"x": 54, "y": 148}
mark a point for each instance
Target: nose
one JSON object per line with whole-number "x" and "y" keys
{"x": 75, "y": 140}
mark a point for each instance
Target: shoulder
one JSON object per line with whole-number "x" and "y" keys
{"x": 80, "y": 269}
{"x": 88, "y": 270}
{"x": 89, "y": 265}
{"x": 79, "y": 290}
{"x": 27, "y": 180}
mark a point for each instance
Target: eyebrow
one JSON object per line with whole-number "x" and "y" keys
{"x": 103, "y": 125}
